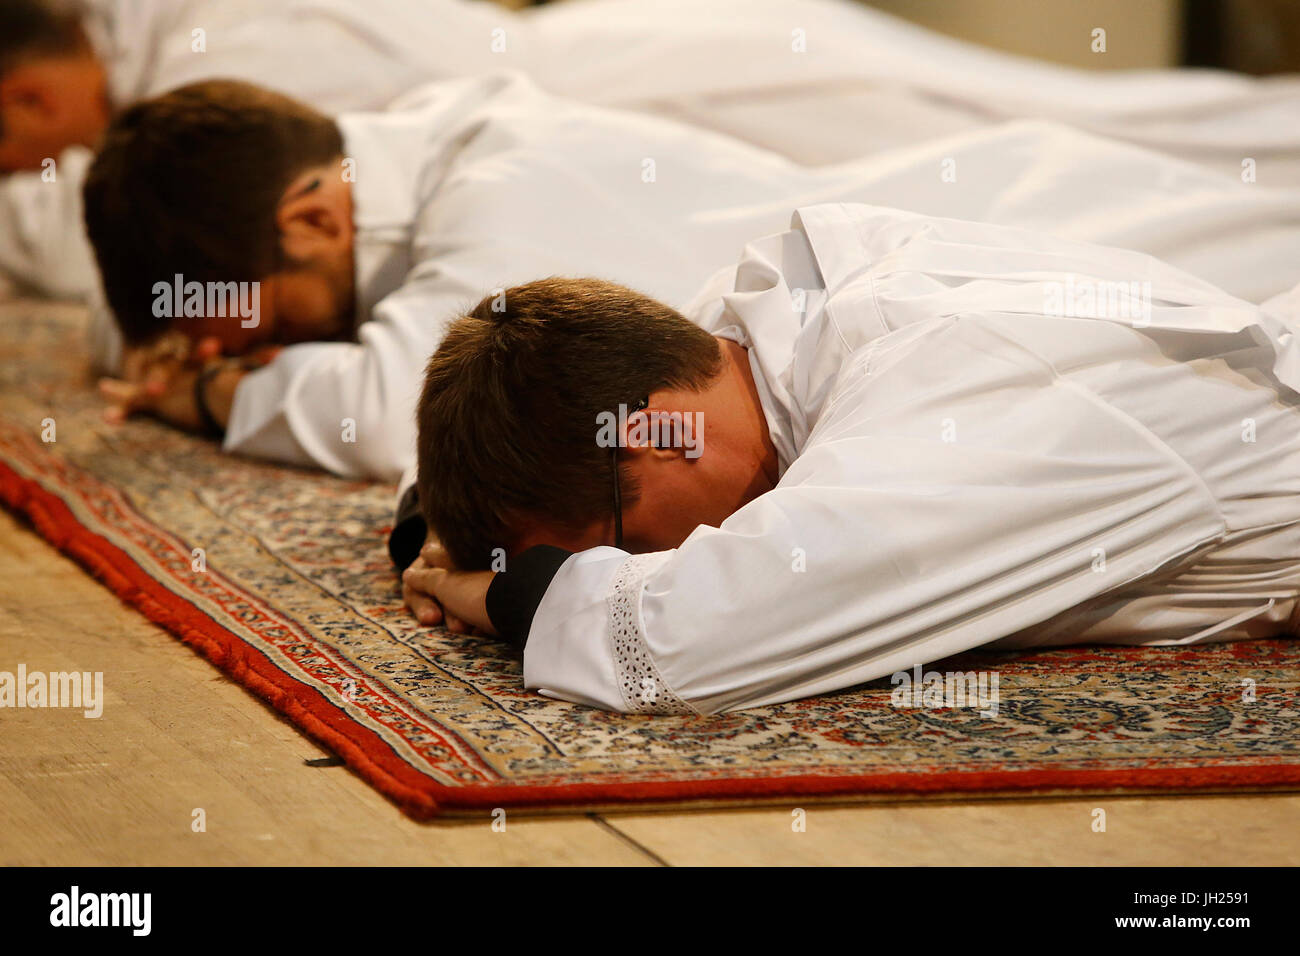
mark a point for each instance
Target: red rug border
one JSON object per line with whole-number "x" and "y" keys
{"x": 305, "y": 706}
{"x": 423, "y": 798}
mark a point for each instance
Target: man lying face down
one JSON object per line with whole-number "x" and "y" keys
{"x": 683, "y": 417}
{"x": 919, "y": 436}
{"x": 229, "y": 218}
{"x": 247, "y": 220}
{"x": 221, "y": 225}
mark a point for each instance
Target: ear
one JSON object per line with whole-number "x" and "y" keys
{"x": 310, "y": 219}
{"x": 654, "y": 432}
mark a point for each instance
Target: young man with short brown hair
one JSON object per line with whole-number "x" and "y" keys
{"x": 244, "y": 146}
{"x": 968, "y": 434}
{"x": 580, "y": 344}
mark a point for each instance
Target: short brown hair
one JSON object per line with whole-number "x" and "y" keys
{"x": 188, "y": 182}
{"x": 508, "y": 415}
{"x": 34, "y": 28}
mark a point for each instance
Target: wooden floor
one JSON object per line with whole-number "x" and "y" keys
{"x": 177, "y": 736}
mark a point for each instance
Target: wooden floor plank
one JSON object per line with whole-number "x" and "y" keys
{"x": 1241, "y": 830}
{"x": 176, "y": 736}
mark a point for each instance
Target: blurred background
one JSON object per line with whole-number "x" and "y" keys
{"x": 1252, "y": 36}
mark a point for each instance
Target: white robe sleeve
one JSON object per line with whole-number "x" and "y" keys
{"x": 103, "y": 338}
{"x": 885, "y": 545}
{"x": 43, "y": 244}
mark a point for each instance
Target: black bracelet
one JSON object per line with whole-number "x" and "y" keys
{"x": 210, "y": 423}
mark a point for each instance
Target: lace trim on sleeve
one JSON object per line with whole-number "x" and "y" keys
{"x": 644, "y": 690}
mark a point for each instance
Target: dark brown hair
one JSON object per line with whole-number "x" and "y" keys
{"x": 33, "y": 28}
{"x": 188, "y": 182}
{"x": 508, "y": 415}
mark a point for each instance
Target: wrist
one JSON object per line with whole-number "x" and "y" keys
{"x": 214, "y": 394}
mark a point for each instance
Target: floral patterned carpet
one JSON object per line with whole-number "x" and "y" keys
{"x": 293, "y": 596}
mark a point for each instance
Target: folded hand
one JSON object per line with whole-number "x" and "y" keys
{"x": 436, "y": 592}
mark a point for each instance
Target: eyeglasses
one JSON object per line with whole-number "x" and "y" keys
{"x": 613, "y": 463}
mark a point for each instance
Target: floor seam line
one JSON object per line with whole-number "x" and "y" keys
{"x": 629, "y": 840}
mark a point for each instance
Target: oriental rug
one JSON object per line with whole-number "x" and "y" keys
{"x": 280, "y": 577}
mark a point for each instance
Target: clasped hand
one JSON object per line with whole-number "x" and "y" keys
{"x": 436, "y": 592}
{"x": 159, "y": 378}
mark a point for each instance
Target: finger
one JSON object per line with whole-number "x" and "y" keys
{"x": 120, "y": 394}
{"x": 455, "y": 624}
{"x": 436, "y": 557}
{"x": 139, "y": 360}
{"x": 136, "y": 363}
{"x": 424, "y": 608}
{"x": 155, "y": 383}
{"x": 158, "y": 377}
{"x": 175, "y": 346}
{"x": 424, "y": 579}
{"x": 133, "y": 364}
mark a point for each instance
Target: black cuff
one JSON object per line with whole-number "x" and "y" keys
{"x": 515, "y": 594}
{"x": 201, "y": 381}
{"x": 409, "y": 531}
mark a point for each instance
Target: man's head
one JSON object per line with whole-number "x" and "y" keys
{"x": 53, "y": 88}
{"x": 520, "y": 416}
{"x": 223, "y": 182}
